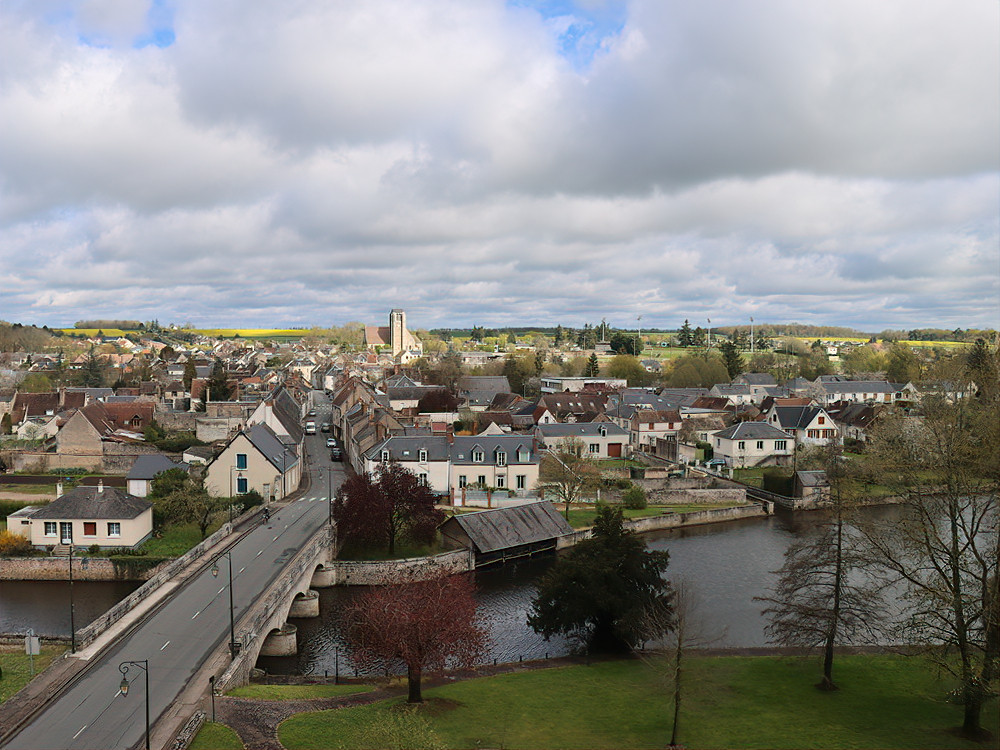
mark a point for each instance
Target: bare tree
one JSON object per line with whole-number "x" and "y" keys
{"x": 816, "y": 601}
{"x": 687, "y": 627}
{"x": 567, "y": 472}
{"x": 945, "y": 548}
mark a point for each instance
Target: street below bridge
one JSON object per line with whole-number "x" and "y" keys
{"x": 183, "y": 631}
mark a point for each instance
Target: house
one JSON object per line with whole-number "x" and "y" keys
{"x": 572, "y": 406}
{"x": 255, "y": 459}
{"x": 502, "y": 461}
{"x": 140, "y": 477}
{"x": 477, "y": 391}
{"x": 85, "y": 516}
{"x": 753, "y": 444}
{"x": 552, "y": 384}
{"x": 737, "y": 394}
{"x": 808, "y": 425}
{"x": 427, "y": 456}
{"x": 811, "y": 486}
{"x": 646, "y": 425}
{"x": 599, "y": 439}
{"x": 854, "y": 421}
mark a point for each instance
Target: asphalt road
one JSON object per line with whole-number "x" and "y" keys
{"x": 183, "y": 632}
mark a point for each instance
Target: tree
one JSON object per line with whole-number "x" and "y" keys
{"x": 732, "y": 358}
{"x": 385, "y": 508}
{"x": 623, "y": 342}
{"x": 190, "y": 373}
{"x": 92, "y": 374}
{"x": 606, "y": 591}
{"x": 218, "y": 384}
{"x": 438, "y": 400}
{"x": 6, "y": 424}
{"x": 425, "y": 624}
{"x": 559, "y": 337}
{"x": 566, "y": 472}
{"x": 593, "y": 368}
{"x": 943, "y": 550}
{"x": 818, "y": 599}
{"x": 629, "y": 368}
{"x": 982, "y": 366}
{"x": 903, "y": 366}
{"x": 685, "y": 336}
{"x": 178, "y": 498}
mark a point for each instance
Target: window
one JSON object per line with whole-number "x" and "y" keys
{"x": 522, "y": 481}
{"x": 501, "y": 458}
{"x": 522, "y": 455}
{"x": 241, "y": 460}
{"x": 462, "y": 481}
{"x": 501, "y": 481}
{"x": 779, "y": 445}
{"x": 114, "y": 528}
{"x": 50, "y": 528}
{"x": 822, "y": 420}
{"x": 477, "y": 456}
{"x": 422, "y": 480}
{"x": 90, "y": 528}
{"x": 813, "y": 433}
{"x": 595, "y": 448}
{"x": 241, "y": 486}
{"x": 760, "y": 445}
{"x": 481, "y": 480}
{"x": 741, "y": 445}
{"x": 422, "y": 456}
{"x": 385, "y": 457}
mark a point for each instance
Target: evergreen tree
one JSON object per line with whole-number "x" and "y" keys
{"x": 92, "y": 375}
{"x": 685, "y": 336}
{"x": 560, "y": 336}
{"x": 732, "y": 358}
{"x": 190, "y": 373}
{"x": 218, "y": 385}
{"x": 593, "y": 367}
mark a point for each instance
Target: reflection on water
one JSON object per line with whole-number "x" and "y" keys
{"x": 728, "y": 564}
{"x": 44, "y": 605}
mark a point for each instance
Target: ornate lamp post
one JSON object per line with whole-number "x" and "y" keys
{"x": 142, "y": 664}
{"x": 234, "y": 648}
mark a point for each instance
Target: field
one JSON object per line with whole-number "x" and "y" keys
{"x": 88, "y": 332}
{"x": 16, "y": 667}
{"x": 730, "y": 701}
{"x": 251, "y": 333}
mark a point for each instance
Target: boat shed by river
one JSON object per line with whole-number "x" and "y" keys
{"x": 502, "y": 534}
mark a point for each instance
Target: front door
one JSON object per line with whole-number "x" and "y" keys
{"x": 65, "y": 532}
{"x": 614, "y": 450}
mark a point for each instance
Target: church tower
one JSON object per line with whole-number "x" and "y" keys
{"x": 397, "y": 329}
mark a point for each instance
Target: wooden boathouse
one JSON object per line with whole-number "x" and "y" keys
{"x": 502, "y": 534}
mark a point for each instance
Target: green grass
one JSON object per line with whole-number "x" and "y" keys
{"x": 216, "y": 737}
{"x": 618, "y": 463}
{"x": 29, "y": 489}
{"x": 581, "y": 519}
{"x": 177, "y": 539}
{"x": 17, "y": 668}
{"x": 296, "y": 692}
{"x": 732, "y": 702}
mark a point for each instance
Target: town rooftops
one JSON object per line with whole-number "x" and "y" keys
{"x": 753, "y": 431}
{"x": 94, "y": 503}
{"x": 582, "y": 429}
{"x": 148, "y": 465}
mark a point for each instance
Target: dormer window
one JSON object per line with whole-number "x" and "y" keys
{"x": 522, "y": 455}
{"x": 603, "y": 431}
{"x": 477, "y": 456}
{"x": 501, "y": 458}
{"x": 422, "y": 456}
{"x": 385, "y": 457}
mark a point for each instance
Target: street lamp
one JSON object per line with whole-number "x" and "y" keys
{"x": 638, "y": 337}
{"x": 72, "y": 607}
{"x": 142, "y": 664}
{"x": 233, "y": 646}
{"x": 709, "y": 332}
{"x": 751, "y": 336}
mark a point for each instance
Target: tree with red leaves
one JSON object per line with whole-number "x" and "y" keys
{"x": 376, "y": 511}
{"x": 425, "y": 624}
{"x": 438, "y": 400}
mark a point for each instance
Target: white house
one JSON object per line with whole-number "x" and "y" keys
{"x": 255, "y": 459}
{"x": 600, "y": 439}
{"x": 144, "y": 470}
{"x": 752, "y": 444}
{"x": 808, "y": 425}
{"x": 646, "y": 425}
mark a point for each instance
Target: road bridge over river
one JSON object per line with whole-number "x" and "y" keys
{"x": 187, "y": 629}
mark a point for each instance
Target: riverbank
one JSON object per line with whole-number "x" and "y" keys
{"x": 886, "y": 701}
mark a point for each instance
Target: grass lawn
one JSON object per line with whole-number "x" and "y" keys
{"x": 732, "y": 702}
{"x": 177, "y": 539}
{"x": 296, "y": 692}
{"x": 216, "y": 737}
{"x": 17, "y": 669}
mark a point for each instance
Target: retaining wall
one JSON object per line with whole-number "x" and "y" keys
{"x": 383, "y": 572}
{"x": 668, "y": 496}
{"x": 57, "y": 569}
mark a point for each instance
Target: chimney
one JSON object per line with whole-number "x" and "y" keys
{"x": 100, "y": 486}
{"x": 59, "y": 489}
{"x": 451, "y": 434}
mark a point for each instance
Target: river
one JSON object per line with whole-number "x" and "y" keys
{"x": 44, "y": 605}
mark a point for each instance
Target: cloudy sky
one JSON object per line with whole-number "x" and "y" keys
{"x": 261, "y": 163}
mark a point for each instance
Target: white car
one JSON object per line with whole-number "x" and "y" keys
{"x": 331, "y": 442}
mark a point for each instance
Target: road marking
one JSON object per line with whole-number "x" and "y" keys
{"x": 242, "y": 569}
{"x": 221, "y": 590}
{"x": 84, "y": 727}
{"x": 164, "y": 645}
{"x": 196, "y": 614}
{"x": 259, "y": 553}
{"x": 275, "y": 539}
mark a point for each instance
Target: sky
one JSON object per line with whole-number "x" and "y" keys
{"x": 250, "y": 163}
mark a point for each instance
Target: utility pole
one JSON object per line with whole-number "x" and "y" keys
{"x": 751, "y": 336}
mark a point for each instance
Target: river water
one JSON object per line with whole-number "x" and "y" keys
{"x": 727, "y": 564}
{"x": 44, "y": 605}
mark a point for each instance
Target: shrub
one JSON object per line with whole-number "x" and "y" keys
{"x": 14, "y": 545}
{"x": 634, "y": 498}
{"x": 251, "y": 499}
{"x": 95, "y": 549}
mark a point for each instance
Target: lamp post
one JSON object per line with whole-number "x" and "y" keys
{"x": 72, "y": 608}
{"x": 709, "y": 332}
{"x": 638, "y": 338}
{"x": 329, "y": 492}
{"x": 211, "y": 690}
{"x": 233, "y": 647}
{"x": 143, "y": 664}
{"x": 751, "y": 336}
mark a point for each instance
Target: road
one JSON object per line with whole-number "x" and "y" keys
{"x": 181, "y": 634}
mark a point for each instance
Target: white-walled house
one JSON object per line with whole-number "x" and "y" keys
{"x": 85, "y": 516}
{"x": 808, "y": 425}
{"x": 600, "y": 439}
{"x": 144, "y": 470}
{"x": 255, "y": 459}
{"x": 426, "y": 456}
{"x": 752, "y": 444}
{"x": 646, "y": 425}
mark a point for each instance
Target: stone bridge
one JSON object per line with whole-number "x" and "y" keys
{"x": 264, "y": 629}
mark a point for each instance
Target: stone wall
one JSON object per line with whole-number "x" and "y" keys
{"x": 212, "y": 429}
{"x": 672, "y": 496}
{"x": 57, "y": 569}
{"x": 177, "y": 420}
{"x": 383, "y": 572}
{"x": 43, "y": 462}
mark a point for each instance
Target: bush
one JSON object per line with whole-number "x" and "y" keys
{"x": 251, "y": 499}
{"x": 634, "y": 498}
{"x": 95, "y": 549}
{"x": 14, "y": 545}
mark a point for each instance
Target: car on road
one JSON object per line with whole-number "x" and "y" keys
{"x": 312, "y": 413}
{"x": 335, "y": 454}
{"x": 331, "y": 442}
{"x": 310, "y": 428}
{"x": 715, "y": 463}
{"x": 325, "y": 427}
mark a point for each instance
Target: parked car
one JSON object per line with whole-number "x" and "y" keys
{"x": 325, "y": 427}
{"x": 310, "y": 428}
{"x": 312, "y": 413}
{"x": 331, "y": 442}
{"x": 715, "y": 463}
{"x": 335, "y": 454}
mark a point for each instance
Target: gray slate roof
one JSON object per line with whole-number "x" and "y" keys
{"x": 753, "y": 431}
{"x": 581, "y": 429}
{"x": 148, "y": 465}
{"x": 92, "y": 503}
{"x": 264, "y": 440}
{"x": 503, "y": 528}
